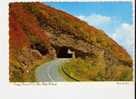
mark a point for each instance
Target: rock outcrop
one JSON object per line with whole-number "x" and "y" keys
{"x": 38, "y": 32}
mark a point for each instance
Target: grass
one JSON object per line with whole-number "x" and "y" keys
{"x": 67, "y": 78}
{"x": 79, "y": 69}
{"x": 17, "y": 72}
{"x": 84, "y": 70}
{"x": 31, "y": 77}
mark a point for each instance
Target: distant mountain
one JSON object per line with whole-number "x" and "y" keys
{"x": 39, "y": 33}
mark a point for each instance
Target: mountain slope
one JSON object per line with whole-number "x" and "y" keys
{"x": 38, "y": 33}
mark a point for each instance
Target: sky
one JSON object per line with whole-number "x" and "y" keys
{"x": 115, "y": 18}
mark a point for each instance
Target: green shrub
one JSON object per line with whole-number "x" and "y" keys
{"x": 76, "y": 26}
{"x": 66, "y": 21}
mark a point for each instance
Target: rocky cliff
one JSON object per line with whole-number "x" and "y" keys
{"x": 38, "y": 33}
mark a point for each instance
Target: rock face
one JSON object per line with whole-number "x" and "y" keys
{"x": 38, "y": 32}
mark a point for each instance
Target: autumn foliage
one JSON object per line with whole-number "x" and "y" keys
{"x": 37, "y": 30}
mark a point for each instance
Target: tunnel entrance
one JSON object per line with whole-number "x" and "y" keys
{"x": 64, "y": 52}
{"x": 40, "y": 47}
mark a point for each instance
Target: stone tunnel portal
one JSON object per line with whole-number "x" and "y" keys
{"x": 65, "y": 52}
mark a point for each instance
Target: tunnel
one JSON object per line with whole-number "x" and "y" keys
{"x": 40, "y": 47}
{"x": 63, "y": 53}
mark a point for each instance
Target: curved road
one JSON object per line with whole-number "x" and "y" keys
{"x": 49, "y": 71}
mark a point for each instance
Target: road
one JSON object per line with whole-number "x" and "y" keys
{"x": 49, "y": 71}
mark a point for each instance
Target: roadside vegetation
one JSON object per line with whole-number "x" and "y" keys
{"x": 37, "y": 32}
{"x": 84, "y": 70}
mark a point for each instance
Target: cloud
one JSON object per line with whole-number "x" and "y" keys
{"x": 124, "y": 35}
{"x": 120, "y": 31}
{"x": 96, "y": 19}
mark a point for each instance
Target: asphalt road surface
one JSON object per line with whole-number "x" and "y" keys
{"x": 49, "y": 72}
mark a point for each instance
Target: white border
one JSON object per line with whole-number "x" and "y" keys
{"x": 60, "y": 90}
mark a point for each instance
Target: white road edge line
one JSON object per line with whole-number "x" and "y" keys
{"x": 50, "y": 77}
{"x": 49, "y": 74}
